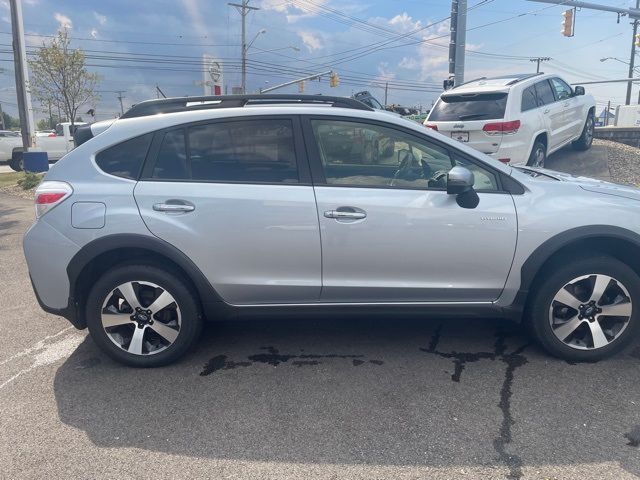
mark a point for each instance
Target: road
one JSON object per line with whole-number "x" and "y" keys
{"x": 322, "y": 398}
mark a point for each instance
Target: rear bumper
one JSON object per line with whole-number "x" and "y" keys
{"x": 514, "y": 149}
{"x": 70, "y": 312}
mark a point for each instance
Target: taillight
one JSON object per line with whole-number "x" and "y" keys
{"x": 432, "y": 126}
{"x": 49, "y": 194}
{"x": 502, "y": 128}
{"x": 51, "y": 135}
{"x": 504, "y": 160}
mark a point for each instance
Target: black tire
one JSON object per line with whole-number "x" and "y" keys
{"x": 177, "y": 287}
{"x": 16, "y": 162}
{"x": 555, "y": 280}
{"x": 586, "y": 139}
{"x": 538, "y": 154}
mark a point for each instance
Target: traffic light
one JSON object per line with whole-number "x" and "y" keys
{"x": 301, "y": 87}
{"x": 567, "y": 23}
{"x": 334, "y": 80}
{"x": 637, "y": 42}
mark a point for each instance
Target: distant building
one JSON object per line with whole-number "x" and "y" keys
{"x": 604, "y": 119}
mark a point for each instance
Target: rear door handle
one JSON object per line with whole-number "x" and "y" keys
{"x": 346, "y": 213}
{"x": 546, "y": 111}
{"x": 174, "y": 207}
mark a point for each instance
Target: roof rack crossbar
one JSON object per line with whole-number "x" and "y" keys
{"x": 470, "y": 81}
{"x": 184, "y": 104}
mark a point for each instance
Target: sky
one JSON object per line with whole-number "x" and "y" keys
{"x": 136, "y": 45}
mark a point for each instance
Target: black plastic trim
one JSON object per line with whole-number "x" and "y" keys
{"x": 69, "y": 312}
{"x": 546, "y": 250}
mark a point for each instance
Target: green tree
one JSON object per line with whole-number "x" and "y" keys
{"x": 43, "y": 124}
{"x": 59, "y": 76}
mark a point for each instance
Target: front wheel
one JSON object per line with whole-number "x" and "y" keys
{"x": 586, "y": 139}
{"x": 586, "y": 309}
{"x": 142, "y": 315}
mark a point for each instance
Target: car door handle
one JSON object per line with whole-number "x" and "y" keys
{"x": 351, "y": 214}
{"x": 546, "y": 111}
{"x": 174, "y": 207}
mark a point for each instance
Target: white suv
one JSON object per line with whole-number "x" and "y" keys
{"x": 519, "y": 119}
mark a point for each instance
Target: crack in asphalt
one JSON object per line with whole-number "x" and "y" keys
{"x": 512, "y": 360}
{"x": 272, "y": 356}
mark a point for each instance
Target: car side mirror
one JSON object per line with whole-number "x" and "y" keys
{"x": 460, "y": 183}
{"x": 578, "y": 91}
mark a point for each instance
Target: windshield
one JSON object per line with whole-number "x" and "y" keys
{"x": 473, "y": 106}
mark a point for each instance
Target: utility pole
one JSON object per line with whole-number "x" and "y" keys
{"x": 120, "y": 97}
{"x": 243, "y": 10}
{"x": 633, "y": 56}
{"x": 159, "y": 92}
{"x": 386, "y": 91}
{"x": 457, "y": 42}
{"x": 539, "y": 60}
{"x": 606, "y": 113}
{"x": 25, "y": 110}
{"x": 2, "y": 118}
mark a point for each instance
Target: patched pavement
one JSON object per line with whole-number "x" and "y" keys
{"x": 331, "y": 398}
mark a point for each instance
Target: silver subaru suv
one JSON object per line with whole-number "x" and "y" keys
{"x": 187, "y": 209}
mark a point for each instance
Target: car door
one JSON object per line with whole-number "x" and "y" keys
{"x": 552, "y": 114}
{"x": 573, "y": 121}
{"x": 390, "y": 232}
{"x": 235, "y": 196}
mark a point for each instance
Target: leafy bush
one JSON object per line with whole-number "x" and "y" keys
{"x": 29, "y": 180}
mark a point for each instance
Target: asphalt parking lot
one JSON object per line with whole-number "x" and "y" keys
{"x": 326, "y": 398}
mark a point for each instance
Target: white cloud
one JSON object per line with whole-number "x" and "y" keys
{"x": 293, "y": 13}
{"x": 102, "y": 19}
{"x": 63, "y": 20}
{"x": 32, "y": 39}
{"x": 94, "y": 33}
{"x": 311, "y": 41}
{"x": 404, "y": 23}
{"x": 197, "y": 19}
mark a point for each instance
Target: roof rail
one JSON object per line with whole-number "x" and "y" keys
{"x": 470, "y": 81}
{"x": 184, "y": 104}
{"x": 524, "y": 77}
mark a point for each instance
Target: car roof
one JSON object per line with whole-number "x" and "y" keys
{"x": 493, "y": 84}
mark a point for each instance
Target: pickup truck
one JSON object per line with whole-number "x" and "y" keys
{"x": 56, "y": 145}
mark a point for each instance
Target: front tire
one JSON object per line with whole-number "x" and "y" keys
{"x": 586, "y": 309}
{"x": 586, "y": 139}
{"x": 142, "y": 315}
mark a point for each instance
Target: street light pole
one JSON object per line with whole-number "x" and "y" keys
{"x": 243, "y": 10}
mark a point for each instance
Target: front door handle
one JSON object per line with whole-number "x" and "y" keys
{"x": 174, "y": 207}
{"x": 346, "y": 213}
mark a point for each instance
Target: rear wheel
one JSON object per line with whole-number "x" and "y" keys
{"x": 586, "y": 139}
{"x": 586, "y": 309}
{"x": 538, "y": 154}
{"x": 142, "y": 315}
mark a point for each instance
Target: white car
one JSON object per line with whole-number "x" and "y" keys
{"x": 517, "y": 119}
{"x": 57, "y": 145}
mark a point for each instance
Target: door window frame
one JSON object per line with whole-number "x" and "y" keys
{"x": 317, "y": 171}
{"x": 302, "y": 163}
{"x": 555, "y": 93}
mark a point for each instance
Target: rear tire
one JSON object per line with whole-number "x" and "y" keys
{"x": 586, "y": 139}
{"x": 143, "y": 315}
{"x": 538, "y": 155}
{"x": 572, "y": 312}
{"x": 17, "y": 162}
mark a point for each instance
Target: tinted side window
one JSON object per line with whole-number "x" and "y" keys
{"x": 244, "y": 151}
{"x": 545, "y": 94}
{"x": 125, "y": 159}
{"x": 563, "y": 91}
{"x": 529, "y": 99}
{"x": 360, "y": 154}
{"x": 171, "y": 162}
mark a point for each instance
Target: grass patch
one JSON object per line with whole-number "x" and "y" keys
{"x": 11, "y": 178}
{"x": 26, "y": 181}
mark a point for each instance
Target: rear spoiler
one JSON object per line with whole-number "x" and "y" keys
{"x": 84, "y": 133}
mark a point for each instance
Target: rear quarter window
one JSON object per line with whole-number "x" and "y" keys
{"x": 125, "y": 159}
{"x": 471, "y": 106}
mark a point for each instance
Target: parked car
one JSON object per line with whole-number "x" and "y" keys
{"x": 188, "y": 209}
{"x": 45, "y": 133}
{"x": 9, "y": 140}
{"x": 517, "y": 119}
{"x": 56, "y": 145}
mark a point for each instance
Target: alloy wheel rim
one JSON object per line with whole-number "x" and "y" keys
{"x": 589, "y": 132}
{"x": 141, "y": 318}
{"x": 590, "y": 312}
{"x": 539, "y": 158}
